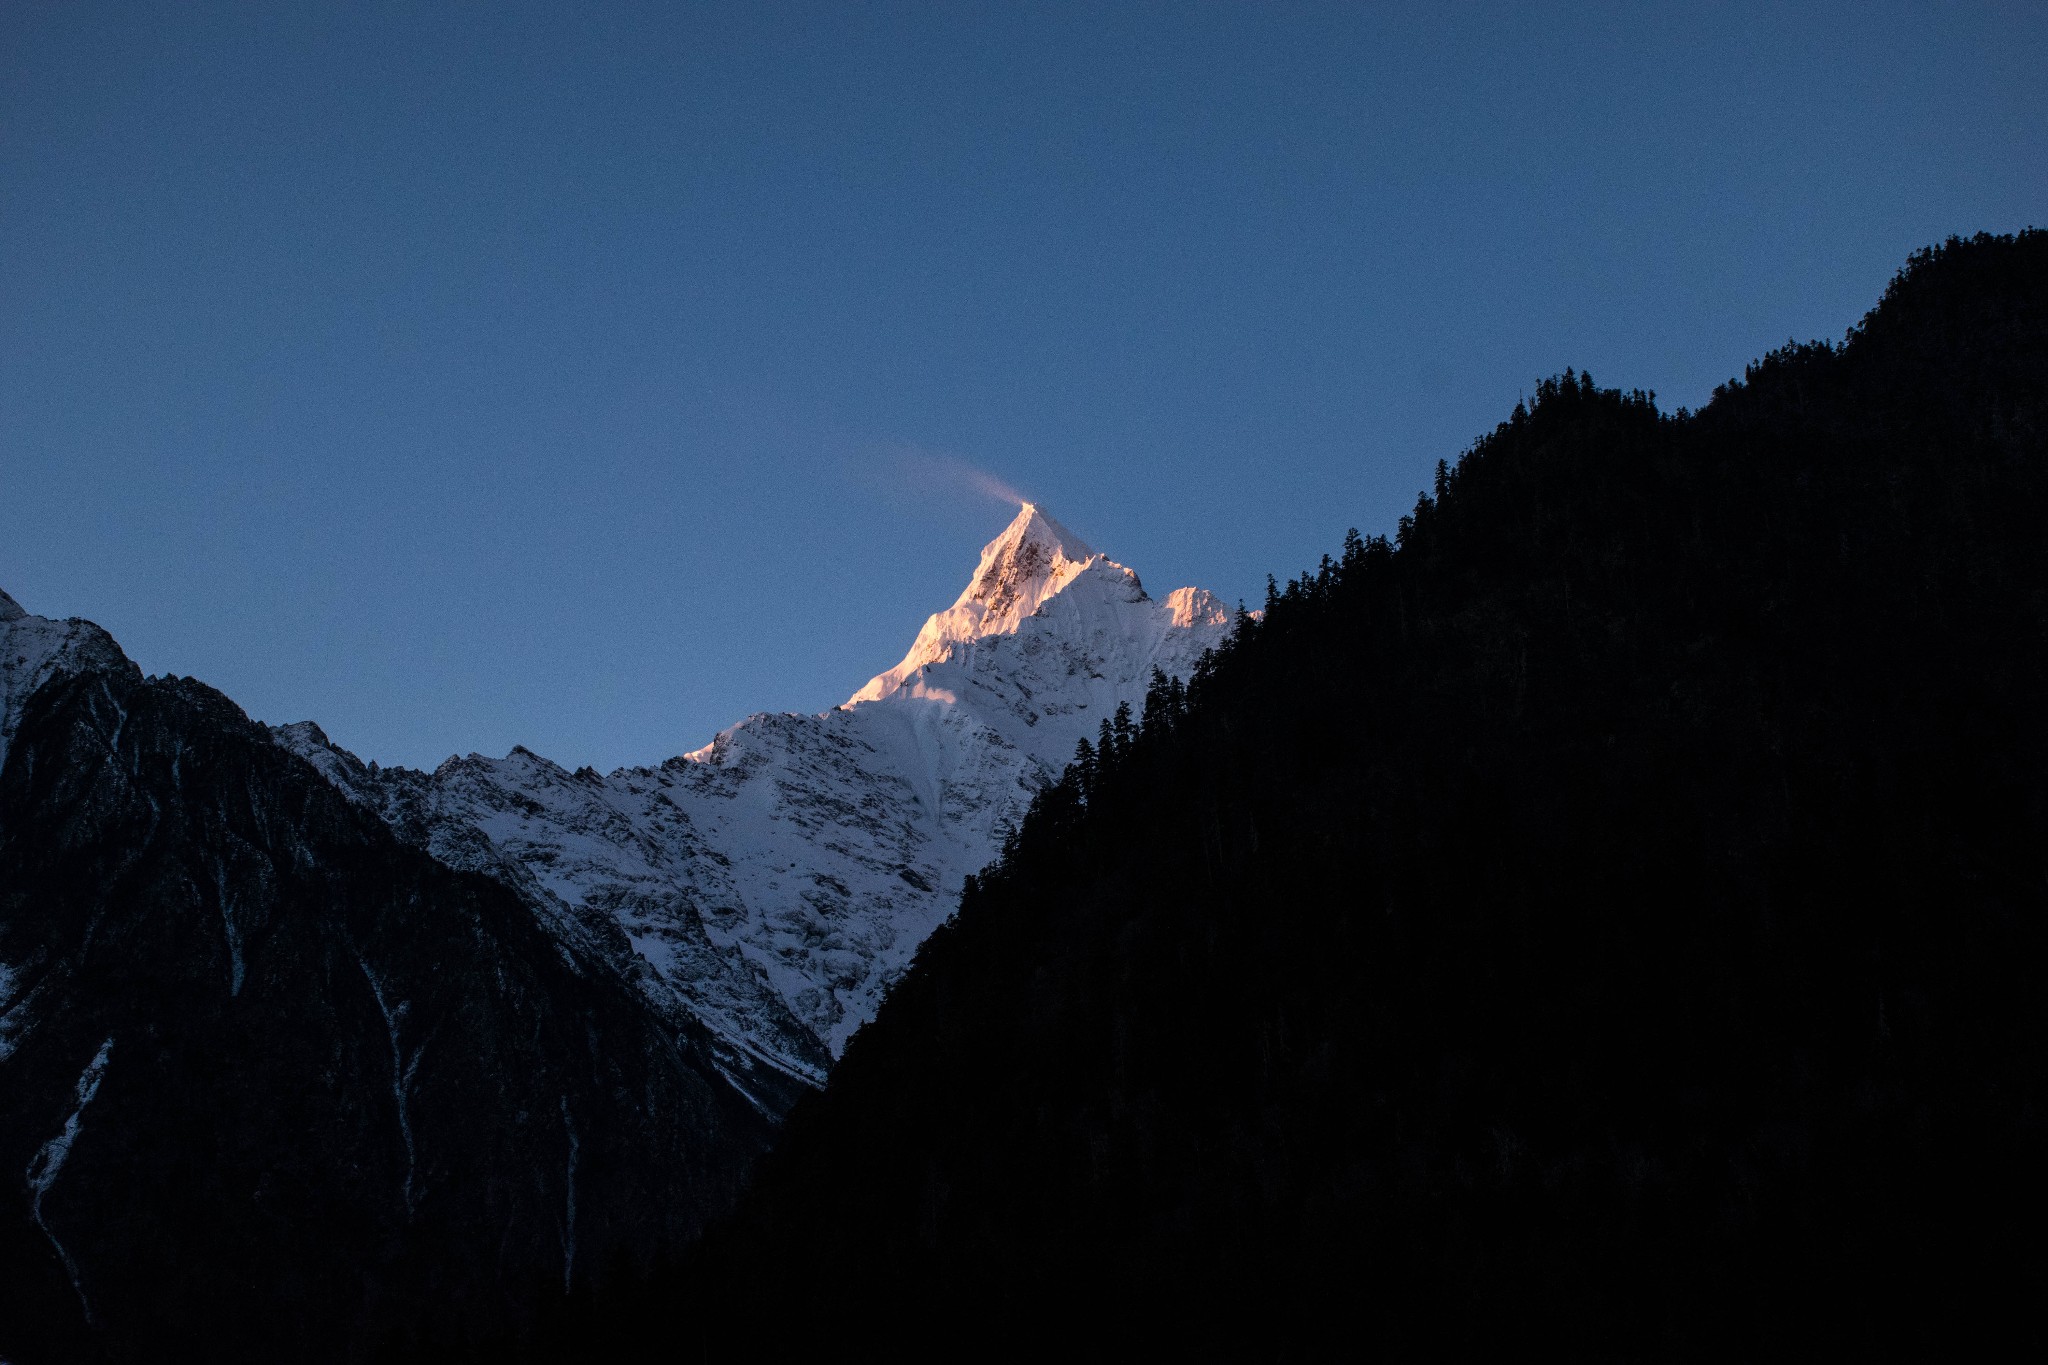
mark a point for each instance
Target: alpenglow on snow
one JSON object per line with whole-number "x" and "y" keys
{"x": 776, "y": 881}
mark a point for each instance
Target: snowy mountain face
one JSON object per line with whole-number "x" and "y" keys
{"x": 35, "y": 650}
{"x": 775, "y": 882}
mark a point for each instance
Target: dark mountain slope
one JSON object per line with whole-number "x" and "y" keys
{"x": 1611, "y": 920}
{"x": 283, "y": 1089}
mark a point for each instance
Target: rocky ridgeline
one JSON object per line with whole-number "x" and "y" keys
{"x": 775, "y": 882}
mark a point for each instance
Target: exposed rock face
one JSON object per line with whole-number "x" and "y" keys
{"x": 776, "y": 881}
{"x": 34, "y": 649}
{"x": 280, "y": 1086}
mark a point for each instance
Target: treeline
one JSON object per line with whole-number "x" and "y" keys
{"x": 1607, "y": 916}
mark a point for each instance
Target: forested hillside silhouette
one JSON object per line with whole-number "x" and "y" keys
{"x": 1608, "y": 915}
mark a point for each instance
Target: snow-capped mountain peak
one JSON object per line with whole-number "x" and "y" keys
{"x": 1195, "y": 607}
{"x": 1033, "y": 560}
{"x": 775, "y": 882}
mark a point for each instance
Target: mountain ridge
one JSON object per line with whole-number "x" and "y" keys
{"x": 779, "y": 877}
{"x": 284, "y": 1087}
{"x": 293, "y": 881}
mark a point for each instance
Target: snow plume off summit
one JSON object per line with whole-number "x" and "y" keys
{"x": 918, "y": 470}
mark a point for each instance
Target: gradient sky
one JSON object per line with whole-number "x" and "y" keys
{"x": 590, "y": 376}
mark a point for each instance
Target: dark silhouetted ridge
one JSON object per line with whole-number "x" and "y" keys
{"x": 281, "y": 1088}
{"x": 1608, "y": 916}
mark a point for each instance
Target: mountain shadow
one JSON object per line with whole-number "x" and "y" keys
{"x": 1608, "y": 917}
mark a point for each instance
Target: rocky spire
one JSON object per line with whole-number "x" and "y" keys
{"x": 1033, "y": 559}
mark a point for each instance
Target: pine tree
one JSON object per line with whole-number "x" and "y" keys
{"x": 1158, "y": 701}
{"x": 1122, "y": 731}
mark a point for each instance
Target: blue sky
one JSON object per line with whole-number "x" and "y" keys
{"x": 588, "y": 377}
